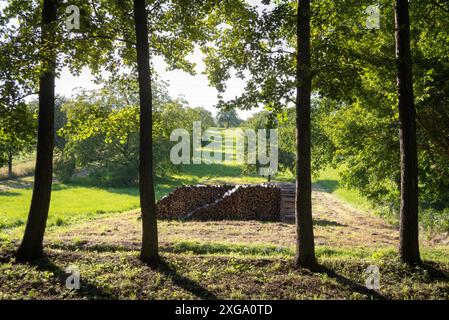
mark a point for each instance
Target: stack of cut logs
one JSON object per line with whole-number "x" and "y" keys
{"x": 187, "y": 198}
{"x": 239, "y": 202}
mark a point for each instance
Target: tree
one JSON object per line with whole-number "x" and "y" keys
{"x": 357, "y": 104}
{"x": 409, "y": 241}
{"x": 18, "y": 127}
{"x": 305, "y": 249}
{"x": 31, "y": 247}
{"x": 228, "y": 118}
{"x": 175, "y": 27}
{"x": 149, "y": 252}
{"x": 262, "y": 43}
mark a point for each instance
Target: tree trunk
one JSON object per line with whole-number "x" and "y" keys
{"x": 149, "y": 252}
{"x": 31, "y": 247}
{"x": 10, "y": 164}
{"x": 305, "y": 248}
{"x": 409, "y": 244}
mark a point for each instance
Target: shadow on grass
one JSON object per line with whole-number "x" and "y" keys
{"x": 327, "y": 185}
{"x": 16, "y": 183}
{"x": 317, "y": 222}
{"x": 184, "y": 282}
{"x": 9, "y": 194}
{"x": 87, "y": 289}
{"x": 85, "y": 246}
{"x": 13, "y": 224}
{"x": 434, "y": 272}
{"x": 354, "y": 286}
{"x": 212, "y": 170}
{"x": 163, "y": 186}
{"x": 327, "y": 223}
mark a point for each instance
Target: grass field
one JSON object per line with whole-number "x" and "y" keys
{"x": 99, "y": 231}
{"x": 80, "y": 199}
{"x": 328, "y": 180}
{"x": 69, "y": 203}
{"x": 222, "y": 260}
{"x": 83, "y": 199}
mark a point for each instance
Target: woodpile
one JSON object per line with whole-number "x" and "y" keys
{"x": 224, "y": 202}
{"x": 184, "y": 199}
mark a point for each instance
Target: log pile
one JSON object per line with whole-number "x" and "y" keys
{"x": 235, "y": 202}
{"x": 184, "y": 199}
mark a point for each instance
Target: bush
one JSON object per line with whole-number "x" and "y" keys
{"x": 65, "y": 168}
{"x": 116, "y": 175}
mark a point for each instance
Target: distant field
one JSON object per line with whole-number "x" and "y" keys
{"x": 21, "y": 167}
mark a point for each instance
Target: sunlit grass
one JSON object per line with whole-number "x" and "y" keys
{"x": 82, "y": 199}
{"x": 68, "y": 203}
{"x": 328, "y": 180}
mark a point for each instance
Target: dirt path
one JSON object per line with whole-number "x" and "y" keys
{"x": 336, "y": 224}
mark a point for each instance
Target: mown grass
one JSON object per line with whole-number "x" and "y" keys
{"x": 328, "y": 180}
{"x": 192, "y": 270}
{"x": 68, "y": 203}
{"x": 83, "y": 199}
{"x": 436, "y": 254}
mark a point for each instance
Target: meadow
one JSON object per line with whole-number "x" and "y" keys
{"x": 98, "y": 230}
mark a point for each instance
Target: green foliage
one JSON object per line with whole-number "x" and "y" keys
{"x": 286, "y": 149}
{"x": 228, "y": 119}
{"x": 102, "y": 132}
{"x": 69, "y": 203}
{"x": 64, "y": 167}
{"x": 17, "y": 131}
{"x": 285, "y": 123}
{"x": 354, "y": 116}
{"x": 362, "y": 124}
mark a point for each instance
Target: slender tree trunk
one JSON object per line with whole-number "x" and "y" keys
{"x": 149, "y": 252}
{"x": 305, "y": 248}
{"x": 10, "y": 164}
{"x": 31, "y": 247}
{"x": 409, "y": 244}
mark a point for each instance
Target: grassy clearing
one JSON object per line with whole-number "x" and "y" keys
{"x": 89, "y": 228}
{"x": 69, "y": 203}
{"x": 221, "y": 259}
{"x": 328, "y": 181}
{"x": 83, "y": 200}
{"x": 191, "y": 270}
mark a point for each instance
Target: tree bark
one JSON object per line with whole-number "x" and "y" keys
{"x": 409, "y": 243}
{"x": 149, "y": 252}
{"x": 10, "y": 164}
{"x": 31, "y": 247}
{"x": 305, "y": 248}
